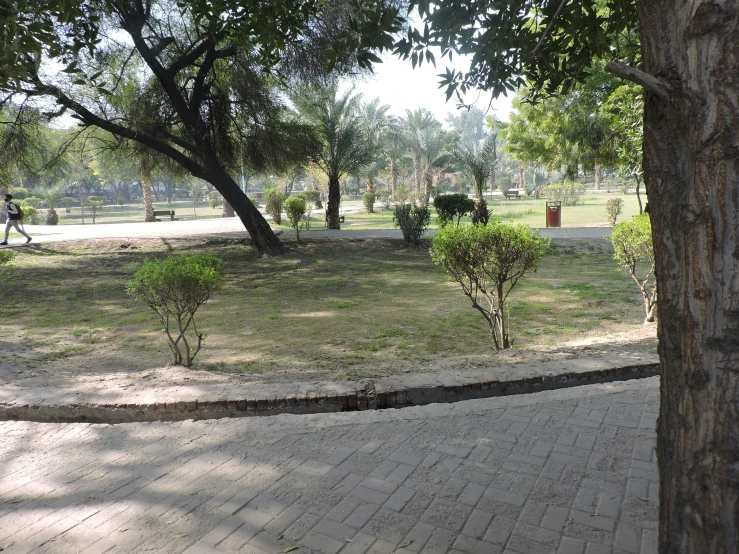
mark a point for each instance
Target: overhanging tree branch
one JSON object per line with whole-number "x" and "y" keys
{"x": 89, "y": 119}
{"x": 649, "y": 82}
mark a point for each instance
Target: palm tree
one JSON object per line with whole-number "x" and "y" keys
{"x": 415, "y": 125}
{"x": 395, "y": 148}
{"x": 373, "y": 118}
{"x": 478, "y": 163}
{"x": 343, "y": 145}
{"x": 431, "y": 145}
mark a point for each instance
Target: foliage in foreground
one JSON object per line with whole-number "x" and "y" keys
{"x": 632, "y": 241}
{"x": 412, "y": 220}
{"x": 295, "y": 208}
{"x": 6, "y": 256}
{"x": 452, "y": 206}
{"x": 487, "y": 261}
{"x": 175, "y": 288}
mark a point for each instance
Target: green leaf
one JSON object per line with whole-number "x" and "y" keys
{"x": 291, "y": 548}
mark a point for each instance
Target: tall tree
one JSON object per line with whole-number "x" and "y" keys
{"x": 395, "y": 148}
{"x": 687, "y": 63}
{"x": 209, "y": 67}
{"x": 343, "y": 145}
{"x": 373, "y": 118}
{"x": 417, "y": 125}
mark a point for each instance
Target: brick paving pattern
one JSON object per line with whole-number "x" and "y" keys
{"x": 570, "y": 471}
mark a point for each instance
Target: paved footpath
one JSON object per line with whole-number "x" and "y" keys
{"x": 570, "y": 471}
{"x": 233, "y": 228}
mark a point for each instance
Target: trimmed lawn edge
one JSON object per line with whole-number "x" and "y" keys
{"x": 367, "y": 395}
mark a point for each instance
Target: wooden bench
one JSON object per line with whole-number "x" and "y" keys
{"x": 163, "y": 213}
{"x": 513, "y": 193}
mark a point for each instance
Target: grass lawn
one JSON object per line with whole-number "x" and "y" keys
{"x": 345, "y": 308}
{"x": 590, "y": 211}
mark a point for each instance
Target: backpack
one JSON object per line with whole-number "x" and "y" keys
{"x": 21, "y": 215}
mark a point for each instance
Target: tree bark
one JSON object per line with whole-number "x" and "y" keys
{"x": 521, "y": 177}
{"x": 691, "y": 172}
{"x": 227, "y": 210}
{"x": 598, "y": 176}
{"x": 417, "y": 173}
{"x": 334, "y": 199}
{"x": 146, "y": 189}
{"x": 265, "y": 241}
{"x": 638, "y": 193}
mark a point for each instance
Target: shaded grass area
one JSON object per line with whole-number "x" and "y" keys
{"x": 351, "y": 308}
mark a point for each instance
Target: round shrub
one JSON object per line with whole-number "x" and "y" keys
{"x": 412, "y": 220}
{"x": 175, "y": 288}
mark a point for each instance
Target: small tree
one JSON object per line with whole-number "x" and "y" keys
{"x": 94, "y": 204}
{"x": 412, "y": 220}
{"x": 67, "y": 202}
{"x": 274, "y": 198}
{"x": 295, "y": 207}
{"x": 613, "y": 209}
{"x": 369, "y": 201}
{"x": 451, "y": 206}
{"x": 488, "y": 261}
{"x": 632, "y": 241}
{"x": 312, "y": 198}
{"x": 175, "y": 288}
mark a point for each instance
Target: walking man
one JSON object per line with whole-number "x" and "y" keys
{"x": 14, "y": 217}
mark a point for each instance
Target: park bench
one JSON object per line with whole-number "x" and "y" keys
{"x": 164, "y": 213}
{"x": 513, "y": 193}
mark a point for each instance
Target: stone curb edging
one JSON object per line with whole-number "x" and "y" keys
{"x": 367, "y": 398}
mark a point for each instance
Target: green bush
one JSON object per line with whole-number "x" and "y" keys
{"x": 613, "y": 209}
{"x": 32, "y": 201}
{"x": 412, "y": 220}
{"x": 567, "y": 193}
{"x": 487, "y": 261}
{"x": 295, "y": 207}
{"x": 30, "y": 213}
{"x": 215, "y": 200}
{"x": 369, "y": 201}
{"x": 632, "y": 242}
{"x": 452, "y": 206}
{"x": 175, "y": 288}
{"x": 67, "y": 202}
{"x": 274, "y": 198}
{"x": 312, "y": 197}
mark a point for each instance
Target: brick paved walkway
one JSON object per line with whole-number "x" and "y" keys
{"x": 570, "y": 471}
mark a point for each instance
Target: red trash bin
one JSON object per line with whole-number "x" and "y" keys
{"x": 554, "y": 214}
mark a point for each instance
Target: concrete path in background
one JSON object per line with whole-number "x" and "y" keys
{"x": 570, "y": 471}
{"x": 233, "y": 228}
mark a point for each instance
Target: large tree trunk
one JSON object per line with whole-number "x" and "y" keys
{"x": 691, "y": 172}
{"x": 265, "y": 240}
{"x": 598, "y": 176}
{"x": 227, "y": 210}
{"x": 334, "y": 199}
{"x": 521, "y": 178}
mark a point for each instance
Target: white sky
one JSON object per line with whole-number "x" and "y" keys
{"x": 397, "y": 84}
